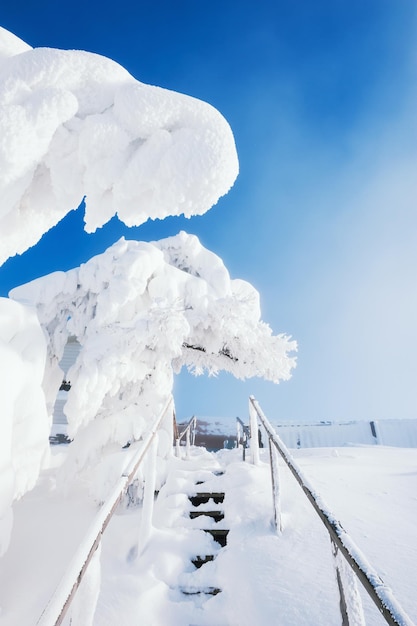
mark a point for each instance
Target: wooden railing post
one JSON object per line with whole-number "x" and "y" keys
{"x": 350, "y": 600}
{"x": 254, "y": 440}
{"x": 242, "y": 436}
{"x": 187, "y": 444}
{"x": 148, "y": 497}
{"x": 276, "y": 487}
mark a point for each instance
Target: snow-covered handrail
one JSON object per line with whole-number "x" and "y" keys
{"x": 58, "y": 605}
{"x": 189, "y": 433}
{"x": 380, "y": 593}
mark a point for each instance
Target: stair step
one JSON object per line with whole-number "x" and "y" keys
{"x": 198, "y": 561}
{"x": 216, "y": 515}
{"x": 204, "y": 496}
{"x": 196, "y": 591}
{"x": 219, "y": 535}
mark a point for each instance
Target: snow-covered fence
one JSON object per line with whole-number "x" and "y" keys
{"x": 387, "y": 432}
{"x": 58, "y": 606}
{"x": 401, "y": 432}
{"x": 345, "y": 551}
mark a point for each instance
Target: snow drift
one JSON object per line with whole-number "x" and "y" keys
{"x": 24, "y": 420}
{"x": 75, "y": 124}
{"x": 141, "y": 311}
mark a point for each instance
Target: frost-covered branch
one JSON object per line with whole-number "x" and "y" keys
{"x": 75, "y": 124}
{"x": 142, "y": 311}
{"x": 224, "y": 351}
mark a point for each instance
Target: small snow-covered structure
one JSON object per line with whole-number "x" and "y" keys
{"x": 140, "y": 312}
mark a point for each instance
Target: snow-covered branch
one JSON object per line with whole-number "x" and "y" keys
{"x": 75, "y": 124}
{"x": 141, "y": 311}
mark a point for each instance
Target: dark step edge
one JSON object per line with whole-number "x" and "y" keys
{"x": 209, "y": 591}
{"x": 198, "y": 561}
{"x": 204, "y": 497}
{"x": 216, "y": 515}
{"x": 219, "y": 535}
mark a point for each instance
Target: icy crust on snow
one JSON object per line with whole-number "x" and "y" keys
{"x": 140, "y": 312}
{"x": 75, "y": 124}
{"x": 24, "y": 420}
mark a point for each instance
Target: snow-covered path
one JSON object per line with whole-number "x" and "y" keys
{"x": 264, "y": 579}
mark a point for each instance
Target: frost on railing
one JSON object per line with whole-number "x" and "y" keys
{"x": 350, "y": 563}
{"x": 85, "y": 563}
{"x": 189, "y": 432}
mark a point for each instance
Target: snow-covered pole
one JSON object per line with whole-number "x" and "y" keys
{"x": 350, "y": 599}
{"x": 376, "y": 432}
{"x": 176, "y": 435}
{"x": 190, "y": 436}
{"x": 148, "y": 497}
{"x": 254, "y": 440}
{"x": 379, "y": 592}
{"x": 187, "y": 444}
{"x": 276, "y": 487}
{"x": 194, "y": 430}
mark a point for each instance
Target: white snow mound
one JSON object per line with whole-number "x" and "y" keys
{"x": 24, "y": 425}
{"x": 75, "y": 124}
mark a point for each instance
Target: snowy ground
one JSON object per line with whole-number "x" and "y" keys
{"x": 265, "y": 579}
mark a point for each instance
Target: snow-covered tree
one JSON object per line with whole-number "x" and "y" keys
{"x": 141, "y": 311}
{"x": 76, "y": 125}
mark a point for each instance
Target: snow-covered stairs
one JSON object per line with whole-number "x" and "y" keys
{"x": 219, "y": 535}
{"x": 178, "y": 576}
{"x": 195, "y": 495}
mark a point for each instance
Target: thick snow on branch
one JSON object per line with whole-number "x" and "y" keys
{"x": 24, "y": 425}
{"x": 140, "y": 312}
{"x": 75, "y": 124}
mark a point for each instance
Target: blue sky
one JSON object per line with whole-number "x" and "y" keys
{"x": 322, "y": 220}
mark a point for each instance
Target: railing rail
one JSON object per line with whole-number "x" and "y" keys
{"x": 189, "y": 432}
{"x": 58, "y": 605}
{"x": 342, "y": 543}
